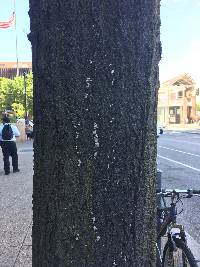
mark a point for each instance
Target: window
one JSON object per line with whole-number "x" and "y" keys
{"x": 180, "y": 94}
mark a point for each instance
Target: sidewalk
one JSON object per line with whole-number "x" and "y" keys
{"x": 185, "y": 128}
{"x": 16, "y": 211}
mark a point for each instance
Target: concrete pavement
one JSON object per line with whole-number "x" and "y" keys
{"x": 186, "y": 128}
{"x": 188, "y": 131}
{"x": 16, "y": 211}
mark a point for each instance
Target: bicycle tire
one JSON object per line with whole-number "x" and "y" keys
{"x": 183, "y": 257}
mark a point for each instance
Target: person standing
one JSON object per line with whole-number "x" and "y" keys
{"x": 8, "y": 134}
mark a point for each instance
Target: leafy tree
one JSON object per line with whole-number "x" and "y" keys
{"x": 6, "y": 98}
{"x": 12, "y": 94}
{"x": 19, "y": 109}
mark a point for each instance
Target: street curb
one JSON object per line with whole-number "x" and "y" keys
{"x": 183, "y": 131}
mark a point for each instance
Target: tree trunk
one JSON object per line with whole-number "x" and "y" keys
{"x": 95, "y": 67}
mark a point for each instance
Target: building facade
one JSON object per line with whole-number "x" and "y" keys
{"x": 177, "y": 101}
{"x": 9, "y": 69}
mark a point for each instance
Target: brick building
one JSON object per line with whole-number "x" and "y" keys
{"x": 9, "y": 69}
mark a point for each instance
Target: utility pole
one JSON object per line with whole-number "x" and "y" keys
{"x": 25, "y": 106}
{"x": 16, "y": 41}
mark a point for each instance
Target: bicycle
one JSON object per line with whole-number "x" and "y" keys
{"x": 176, "y": 252}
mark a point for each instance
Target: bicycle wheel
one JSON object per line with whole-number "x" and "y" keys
{"x": 182, "y": 257}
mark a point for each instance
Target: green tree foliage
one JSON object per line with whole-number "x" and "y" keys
{"x": 198, "y": 107}
{"x": 12, "y": 94}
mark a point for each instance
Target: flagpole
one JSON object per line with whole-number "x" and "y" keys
{"x": 16, "y": 43}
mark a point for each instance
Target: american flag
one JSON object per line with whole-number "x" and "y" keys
{"x": 9, "y": 23}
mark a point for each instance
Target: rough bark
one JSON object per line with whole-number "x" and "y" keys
{"x": 95, "y": 67}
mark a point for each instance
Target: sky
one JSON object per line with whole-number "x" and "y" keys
{"x": 180, "y": 36}
{"x": 8, "y": 36}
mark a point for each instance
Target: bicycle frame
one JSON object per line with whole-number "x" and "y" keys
{"x": 167, "y": 224}
{"x": 167, "y": 214}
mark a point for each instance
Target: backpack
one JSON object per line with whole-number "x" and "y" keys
{"x": 7, "y": 133}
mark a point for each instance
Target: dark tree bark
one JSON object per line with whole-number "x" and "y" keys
{"x": 95, "y": 66}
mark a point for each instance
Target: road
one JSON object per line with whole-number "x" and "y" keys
{"x": 179, "y": 160}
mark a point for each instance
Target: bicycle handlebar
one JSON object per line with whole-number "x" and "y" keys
{"x": 178, "y": 191}
{"x": 196, "y": 192}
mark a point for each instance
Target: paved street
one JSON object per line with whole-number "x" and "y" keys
{"x": 16, "y": 211}
{"x": 179, "y": 160}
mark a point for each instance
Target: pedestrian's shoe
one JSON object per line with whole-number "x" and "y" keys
{"x": 17, "y": 170}
{"x": 7, "y": 173}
